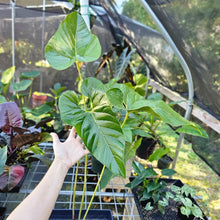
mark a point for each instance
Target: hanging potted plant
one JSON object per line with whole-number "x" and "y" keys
{"x": 107, "y": 116}
{"x": 18, "y": 147}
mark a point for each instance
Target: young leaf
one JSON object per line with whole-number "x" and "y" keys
{"x": 148, "y": 206}
{"x": 21, "y": 86}
{"x": 187, "y": 190}
{"x": 185, "y": 211}
{"x": 72, "y": 42}
{"x": 196, "y": 211}
{"x": 175, "y": 188}
{"x": 163, "y": 202}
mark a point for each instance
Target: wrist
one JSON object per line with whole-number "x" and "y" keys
{"x": 60, "y": 163}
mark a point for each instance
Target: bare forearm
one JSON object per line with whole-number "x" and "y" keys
{"x": 39, "y": 204}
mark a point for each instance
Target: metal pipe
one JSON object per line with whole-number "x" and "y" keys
{"x": 42, "y": 46}
{"x": 184, "y": 66}
{"x": 88, "y": 193}
{"x": 13, "y": 2}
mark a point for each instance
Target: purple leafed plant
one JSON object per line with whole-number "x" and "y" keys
{"x": 12, "y": 137}
{"x": 10, "y": 116}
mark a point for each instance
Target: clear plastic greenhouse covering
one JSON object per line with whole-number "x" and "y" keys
{"x": 193, "y": 25}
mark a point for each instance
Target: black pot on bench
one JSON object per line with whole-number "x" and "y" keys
{"x": 93, "y": 214}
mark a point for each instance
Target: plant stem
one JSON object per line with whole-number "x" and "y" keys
{"x": 74, "y": 188}
{"x": 84, "y": 187}
{"x": 78, "y": 69}
{"x": 126, "y": 117}
{"x": 97, "y": 185}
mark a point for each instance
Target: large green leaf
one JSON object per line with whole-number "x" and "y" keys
{"x": 193, "y": 129}
{"x": 99, "y": 129}
{"x": 7, "y": 76}
{"x": 2, "y": 99}
{"x": 134, "y": 102}
{"x": 72, "y": 42}
{"x": 31, "y": 74}
{"x": 22, "y": 85}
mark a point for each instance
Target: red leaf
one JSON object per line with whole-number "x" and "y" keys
{"x": 11, "y": 177}
{"x": 10, "y": 116}
{"x": 15, "y": 175}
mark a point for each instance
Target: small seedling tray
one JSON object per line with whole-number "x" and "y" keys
{"x": 155, "y": 214}
{"x": 93, "y": 214}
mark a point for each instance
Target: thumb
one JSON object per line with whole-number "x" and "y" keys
{"x": 55, "y": 138}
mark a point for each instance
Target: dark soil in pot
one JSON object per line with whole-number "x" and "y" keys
{"x": 172, "y": 212}
{"x": 146, "y": 148}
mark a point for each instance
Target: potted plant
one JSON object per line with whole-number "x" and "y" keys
{"x": 18, "y": 147}
{"x": 21, "y": 95}
{"x": 48, "y": 113}
{"x": 159, "y": 198}
{"x": 38, "y": 99}
{"x": 107, "y": 116}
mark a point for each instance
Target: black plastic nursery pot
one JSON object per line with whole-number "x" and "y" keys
{"x": 96, "y": 166}
{"x": 146, "y": 148}
{"x": 93, "y": 214}
{"x": 2, "y": 212}
{"x": 171, "y": 212}
{"x": 164, "y": 162}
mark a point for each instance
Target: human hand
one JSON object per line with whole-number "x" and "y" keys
{"x": 70, "y": 151}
